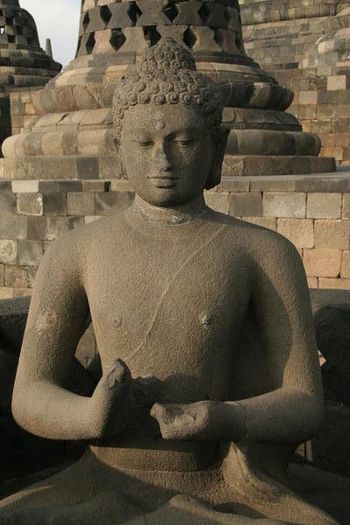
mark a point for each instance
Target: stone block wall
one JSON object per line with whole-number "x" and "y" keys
{"x": 322, "y": 105}
{"x": 307, "y": 48}
{"x": 22, "y": 108}
{"x": 312, "y": 211}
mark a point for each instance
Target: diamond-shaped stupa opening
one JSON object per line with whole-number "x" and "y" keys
{"x": 239, "y": 43}
{"x": 134, "y": 12}
{"x": 219, "y": 38}
{"x": 117, "y": 39}
{"x": 151, "y": 35}
{"x": 204, "y": 12}
{"x": 227, "y": 16}
{"x": 90, "y": 43}
{"x": 106, "y": 15}
{"x": 189, "y": 38}
{"x": 171, "y": 12}
{"x": 86, "y": 21}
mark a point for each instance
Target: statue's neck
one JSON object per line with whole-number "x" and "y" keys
{"x": 170, "y": 216}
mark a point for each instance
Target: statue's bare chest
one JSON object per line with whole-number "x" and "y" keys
{"x": 171, "y": 309}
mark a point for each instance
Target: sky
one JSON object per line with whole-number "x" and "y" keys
{"x": 58, "y": 20}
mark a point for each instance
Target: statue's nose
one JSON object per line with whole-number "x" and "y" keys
{"x": 161, "y": 160}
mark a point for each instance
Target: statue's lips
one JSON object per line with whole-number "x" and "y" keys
{"x": 163, "y": 181}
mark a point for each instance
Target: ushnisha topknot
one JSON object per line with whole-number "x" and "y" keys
{"x": 167, "y": 74}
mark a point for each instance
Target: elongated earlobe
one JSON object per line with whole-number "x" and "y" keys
{"x": 119, "y": 169}
{"x": 219, "y": 153}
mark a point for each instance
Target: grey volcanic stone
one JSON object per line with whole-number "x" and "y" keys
{"x": 23, "y": 64}
{"x": 332, "y": 323}
{"x": 210, "y": 374}
{"x": 13, "y": 317}
{"x": 72, "y": 135}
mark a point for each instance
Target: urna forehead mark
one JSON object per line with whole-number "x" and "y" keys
{"x": 159, "y": 120}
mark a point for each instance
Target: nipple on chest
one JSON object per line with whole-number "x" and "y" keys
{"x": 117, "y": 321}
{"x": 206, "y": 319}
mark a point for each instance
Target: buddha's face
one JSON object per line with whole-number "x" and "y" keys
{"x": 167, "y": 152}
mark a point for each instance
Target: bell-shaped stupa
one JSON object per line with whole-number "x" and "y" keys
{"x": 23, "y": 64}
{"x": 306, "y": 45}
{"x": 71, "y": 136}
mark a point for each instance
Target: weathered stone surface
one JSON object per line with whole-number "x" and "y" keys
{"x": 71, "y": 117}
{"x": 324, "y": 298}
{"x": 332, "y": 234}
{"x": 345, "y": 265}
{"x": 218, "y": 201}
{"x": 346, "y": 206}
{"x": 324, "y": 205}
{"x": 330, "y": 448}
{"x": 307, "y": 47}
{"x": 299, "y": 231}
{"x": 105, "y": 201}
{"x": 284, "y": 205}
{"x": 30, "y": 252}
{"x": 21, "y": 452}
{"x": 335, "y": 284}
{"x": 333, "y": 338}
{"x": 16, "y": 277}
{"x": 55, "y": 204}
{"x": 331, "y": 489}
{"x": 8, "y": 252}
{"x": 322, "y": 262}
{"x": 7, "y": 203}
{"x": 23, "y": 64}
{"x": 80, "y": 204}
{"x": 179, "y": 257}
{"x": 266, "y": 222}
{"x": 13, "y": 227}
{"x": 245, "y": 204}
{"x": 30, "y": 204}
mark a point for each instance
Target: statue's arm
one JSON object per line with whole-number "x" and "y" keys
{"x": 293, "y": 410}
{"x": 41, "y": 404}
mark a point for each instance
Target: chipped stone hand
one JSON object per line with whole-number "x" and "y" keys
{"x": 204, "y": 420}
{"x": 111, "y": 401}
{"x": 146, "y": 391}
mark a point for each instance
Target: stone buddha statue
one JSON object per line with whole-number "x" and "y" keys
{"x": 210, "y": 375}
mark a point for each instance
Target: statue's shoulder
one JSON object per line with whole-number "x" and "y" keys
{"x": 259, "y": 242}
{"x": 75, "y": 245}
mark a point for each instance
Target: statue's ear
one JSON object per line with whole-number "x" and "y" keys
{"x": 120, "y": 169}
{"x": 218, "y": 157}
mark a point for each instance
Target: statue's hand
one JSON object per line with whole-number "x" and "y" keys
{"x": 111, "y": 401}
{"x": 204, "y": 420}
{"x": 185, "y": 421}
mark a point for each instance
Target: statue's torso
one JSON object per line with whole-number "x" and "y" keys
{"x": 170, "y": 302}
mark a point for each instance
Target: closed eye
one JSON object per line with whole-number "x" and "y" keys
{"x": 185, "y": 142}
{"x": 145, "y": 143}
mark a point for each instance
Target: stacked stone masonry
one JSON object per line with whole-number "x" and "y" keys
{"x": 313, "y": 212}
{"x": 22, "y": 108}
{"x": 306, "y": 45}
{"x": 23, "y": 64}
{"x": 71, "y": 126}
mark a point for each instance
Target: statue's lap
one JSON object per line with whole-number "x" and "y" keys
{"x": 89, "y": 486}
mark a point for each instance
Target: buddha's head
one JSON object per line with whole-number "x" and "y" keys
{"x": 168, "y": 127}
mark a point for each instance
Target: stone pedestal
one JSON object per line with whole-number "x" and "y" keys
{"x": 70, "y": 135}
{"x": 23, "y": 64}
